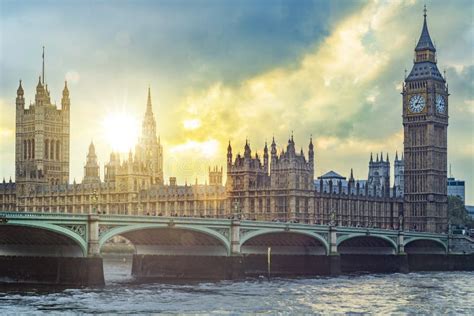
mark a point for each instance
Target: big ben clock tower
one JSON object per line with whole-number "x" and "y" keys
{"x": 425, "y": 123}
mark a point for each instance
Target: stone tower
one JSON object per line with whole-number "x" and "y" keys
{"x": 215, "y": 176}
{"x": 91, "y": 169}
{"x": 379, "y": 176}
{"x": 111, "y": 168}
{"x": 398, "y": 172}
{"x": 425, "y": 122}
{"x": 149, "y": 150}
{"x": 42, "y": 139}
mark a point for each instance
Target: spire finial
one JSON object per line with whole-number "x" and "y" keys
{"x": 424, "y": 11}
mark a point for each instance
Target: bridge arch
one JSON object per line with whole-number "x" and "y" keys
{"x": 366, "y": 244}
{"x": 425, "y": 245}
{"x": 41, "y": 234}
{"x": 132, "y": 232}
{"x": 299, "y": 238}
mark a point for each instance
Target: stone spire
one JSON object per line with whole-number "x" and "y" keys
{"x": 19, "y": 91}
{"x": 229, "y": 157}
{"x": 149, "y": 124}
{"x": 311, "y": 150}
{"x": 425, "y": 42}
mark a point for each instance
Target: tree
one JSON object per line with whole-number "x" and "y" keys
{"x": 457, "y": 212}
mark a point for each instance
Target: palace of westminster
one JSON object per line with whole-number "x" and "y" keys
{"x": 280, "y": 186}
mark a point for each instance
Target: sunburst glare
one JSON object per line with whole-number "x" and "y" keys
{"x": 121, "y": 131}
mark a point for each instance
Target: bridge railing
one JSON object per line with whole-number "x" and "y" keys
{"x": 40, "y": 214}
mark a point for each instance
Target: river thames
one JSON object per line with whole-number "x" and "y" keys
{"x": 425, "y": 293}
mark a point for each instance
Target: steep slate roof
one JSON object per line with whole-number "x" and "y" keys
{"x": 424, "y": 70}
{"x": 425, "y": 40}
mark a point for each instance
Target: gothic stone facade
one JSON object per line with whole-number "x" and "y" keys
{"x": 279, "y": 187}
{"x": 42, "y": 140}
{"x": 133, "y": 186}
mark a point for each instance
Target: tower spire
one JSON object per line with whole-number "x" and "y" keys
{"x": 42, "y": 76}
{"x": 425, "y": 42}
{"x": 148, "y": 103}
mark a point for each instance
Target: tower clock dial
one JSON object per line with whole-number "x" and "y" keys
{"x": 440, "y": 104}
{"x": 417, "y": 103}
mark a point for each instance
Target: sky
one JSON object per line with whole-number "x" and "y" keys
{"x": 236, "y": 70}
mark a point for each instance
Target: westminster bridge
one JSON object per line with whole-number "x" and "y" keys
{"x": 66, "y": 248}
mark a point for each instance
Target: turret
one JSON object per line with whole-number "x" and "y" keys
{"x": 265, "y": 157}
{"x": 40, "y": 93}
{"x": 350, "y": 183}
{"x": 247, "y": 150}
{"x": 273, "y": 150}
{"x": 229, "y": 156}
{"x": 291, "y": 146}
{"x": 20, "y": 100}
{"x": 311, "y": 151}
{"x": 91, "y": 169}
{"x": 65, "y": 102}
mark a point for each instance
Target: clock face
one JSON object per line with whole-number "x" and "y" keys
{"x": 440, "y": 104}
{"x": 417, "y": 103}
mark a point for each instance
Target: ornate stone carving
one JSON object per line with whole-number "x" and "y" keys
{"x": 105, "y": 228}
{"x": 324, "y": 235}
{"x": 78, "y": 229}
{"x": 223, "y": 231}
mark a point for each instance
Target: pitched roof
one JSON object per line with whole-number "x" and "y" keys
{"x": 425, "y": 70}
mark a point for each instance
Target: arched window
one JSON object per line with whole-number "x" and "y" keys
{"x": 28, "y": 142}
{"x": 57, "y": 149}
{"x": 33, "y": 148}
{"x": 51, "y": 150}
{"x": 46, "y": 149}
{"x": 24, "y": 149}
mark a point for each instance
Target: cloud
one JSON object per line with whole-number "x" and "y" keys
{"x": 345, "y": 92}
{"x": 326, "y": 94}
{"x": 231, "y": 70}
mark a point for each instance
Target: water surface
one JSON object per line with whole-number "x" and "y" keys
{"x": 415, "y": 293}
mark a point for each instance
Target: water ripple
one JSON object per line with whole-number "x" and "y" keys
{"x": 430, "y": 293}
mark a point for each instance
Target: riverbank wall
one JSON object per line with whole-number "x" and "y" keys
{"x": 90, "y": 271}
{"x": 238, "y": 267}
{"x": 52, "y": 270}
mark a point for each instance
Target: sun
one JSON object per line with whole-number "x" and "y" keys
{"x": 120, "y": 131}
